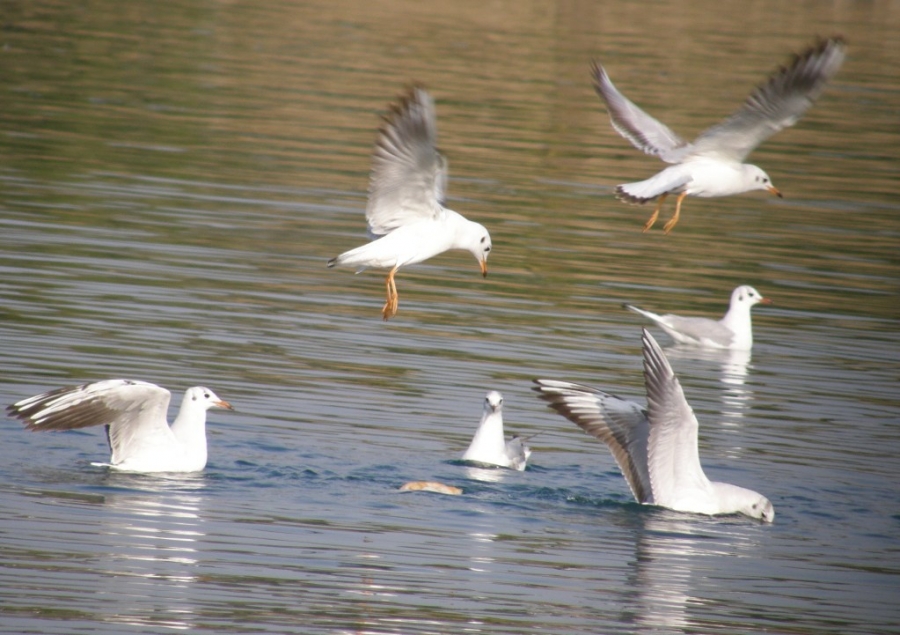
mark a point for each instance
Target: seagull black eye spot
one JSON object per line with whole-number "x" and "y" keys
{"x": 206, "y": 395}
{"x": 194, "y": 398}
{"x": 482, "y": 240}
{"x": 487, "y": 249}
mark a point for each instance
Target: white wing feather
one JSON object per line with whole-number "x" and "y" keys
{"x": 409, "y": 175}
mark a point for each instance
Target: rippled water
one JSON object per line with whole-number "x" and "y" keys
{"x": 171, "y": 185}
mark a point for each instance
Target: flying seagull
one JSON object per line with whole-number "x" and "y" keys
{"x": 713, "y": 165}
{"x": 405, "y": 212}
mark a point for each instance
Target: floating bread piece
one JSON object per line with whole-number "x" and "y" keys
{"x": 430, "y": 486}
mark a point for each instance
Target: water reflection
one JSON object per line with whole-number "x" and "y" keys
{"x": 152, "y": 553}
{"x": 487, "y": 474}
{"x": 672, "y": 553}
{"x": 736, "y": 396}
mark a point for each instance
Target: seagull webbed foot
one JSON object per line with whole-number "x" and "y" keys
{"x": 393, "y": 301}
{"x": 674, "y": 220}
{"x": 653, "y": 218}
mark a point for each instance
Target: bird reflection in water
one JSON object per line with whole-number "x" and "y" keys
{"x": 152, "y": 531}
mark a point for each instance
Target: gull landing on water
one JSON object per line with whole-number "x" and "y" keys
{"x": 655, "y": 447}
{"x": 134, "y": 413}
{"x": 405, "y": 212}
{"x": 734, "y": 331}
{"x": 713, "y": 164}
{"x": 489, "y": 446}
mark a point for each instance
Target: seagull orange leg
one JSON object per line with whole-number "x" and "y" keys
{"x": 674, "y": 220}
{"x": 392, "y": 302}
{"x": 653, "y": 218}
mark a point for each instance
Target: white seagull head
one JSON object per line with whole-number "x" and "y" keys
{"x": 493, "y": 402}
{"x": 747, "y": 296}
{"x": 204, "y": 398}
{"x": 477, "y": 240}
{"x": 756, "y": 179}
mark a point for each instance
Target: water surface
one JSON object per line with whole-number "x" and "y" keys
{"x": 171, "y": 186}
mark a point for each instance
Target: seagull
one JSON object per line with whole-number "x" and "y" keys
{"x": 713, "y": 165}
{"x": 656, "y": 446}
{"x": 488, "y": 445}
{"x": 405, "y": 212}
{"x": 734, "y": 331}
{"x": 134, "y": 413}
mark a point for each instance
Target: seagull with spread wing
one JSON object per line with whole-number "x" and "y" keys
{"x": 134, "y": 413}
{"x": 655, "y": 447}
{"x": 405, "y": 212}
{"x": 713, "y": 165}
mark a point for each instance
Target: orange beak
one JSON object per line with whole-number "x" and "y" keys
{"x": 221, "y": 403}
{"x": 766, "y": 301}
{"x": 774, "y": 190}
{"x": 483, "y": 264}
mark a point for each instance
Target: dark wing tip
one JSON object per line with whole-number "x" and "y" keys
{"x": 409, "y": 114}
{"x": 82, "y": 414}
{"x": 554, "y": 397}
{"x": 414, "y": 95}
{"x": 813, "y": 66}
{"x": 599, "y": 77}
{"x": 657, "y": 369}
{"x": 823, "y": 43}
{"x": 822, "y": 48}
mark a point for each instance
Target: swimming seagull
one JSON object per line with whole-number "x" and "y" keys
{"x": 134, "y": 413}
{"x": 713, "y": 164}
{"x": 656, "y": 446}
{"x": 405, "y": 213}
{"x": 489, "y": 446}
{"x": 734, "y": 331}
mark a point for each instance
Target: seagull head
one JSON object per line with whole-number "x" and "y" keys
{"x": 478, "y": 241}
{"x": 747, "y": 295}
{"x": 493, "y": 402}
{"x": 762, "y": 509}
{"x": 759, "y": 180}
{"x": 205, "y": 398}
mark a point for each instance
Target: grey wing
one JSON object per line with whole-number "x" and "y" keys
{"x": 699, "y": 328}
{"x": 643, "y": 131}
{"x": 134, "y": 413}
{"x": 518, "y": 452}
{"x": 409, "y": 176}
{"x": 101, "y": 403}
{"x": 775, "y": 105}
{"x": 622, "y": 425}
{"x": 673, "y": 460}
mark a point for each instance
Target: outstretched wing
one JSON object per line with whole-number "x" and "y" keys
{"x": 134, "y": 412}
{"x": 775, "y": 105}
{"x": 673, "y": 460}
{"x": 643, "y": 131}
{"x": 622, "y": 425}
{"x": 409, "y": 175}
